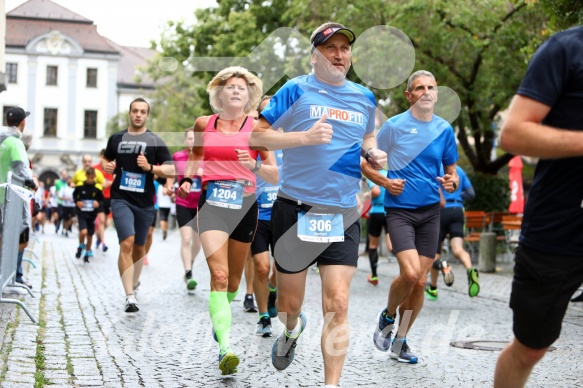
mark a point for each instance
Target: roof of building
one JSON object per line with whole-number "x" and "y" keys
{"x": 132, "y": 59}
{"x": 46, "y": 9}
{"x": 38, "y": 17}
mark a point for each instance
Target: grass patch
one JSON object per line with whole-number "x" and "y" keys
{"x": 39, "y": 377}
{"x": 69, "y": 365}
{"x": 7, "y": 344}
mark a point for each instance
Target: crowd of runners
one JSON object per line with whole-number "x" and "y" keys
{"x": 269, "y": 186}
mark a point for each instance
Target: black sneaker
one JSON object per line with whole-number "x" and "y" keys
{"x": 383, "y": 331}
{"x": 249, "y": 304}
{"x": 264, "y": 327}
{"x": 79, "y": 251}
{"x": 131, "y": 304}
{"x": 400, "y": 351}
{"x": 271, "y": 309}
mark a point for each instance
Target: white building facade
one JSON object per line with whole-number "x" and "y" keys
{"x": 71, "y": 79}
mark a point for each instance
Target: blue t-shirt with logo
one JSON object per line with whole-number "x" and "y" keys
{"x": 455, "y": 199}
{"x": 326, "y": 174}
{"x": 416, "y": 151}
{"x": 266, "y": 192}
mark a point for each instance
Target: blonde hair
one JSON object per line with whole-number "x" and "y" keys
{"x": 254, "y": 85}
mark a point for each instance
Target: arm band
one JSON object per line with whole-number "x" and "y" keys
{"x": 185, "y": 179}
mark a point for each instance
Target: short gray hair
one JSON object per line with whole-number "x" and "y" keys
{"x": 417, "y": 74}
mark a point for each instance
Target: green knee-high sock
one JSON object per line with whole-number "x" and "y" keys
{"x": 232, "y": 295}
{"x": 220, "y": 312}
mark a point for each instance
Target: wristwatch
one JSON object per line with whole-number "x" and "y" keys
{"x": 454, "y": 185}
{"x": 257, "y": 166}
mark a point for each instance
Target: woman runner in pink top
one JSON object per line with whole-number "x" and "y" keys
{"x": 186, "y": 211}
{"x": 227, "y": 208}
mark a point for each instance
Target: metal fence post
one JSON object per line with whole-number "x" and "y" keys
{"x": 12, "y": 218}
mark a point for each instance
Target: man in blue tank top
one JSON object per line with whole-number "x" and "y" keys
{"x": 327, "y": 124}
{"x": 418, "y": 143}
{"x": 545, "y": 120}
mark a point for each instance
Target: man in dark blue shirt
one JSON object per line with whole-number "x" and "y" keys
{"x": 545, "y": 120}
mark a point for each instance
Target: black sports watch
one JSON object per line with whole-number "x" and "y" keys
{"x": 257, "y": 166}
{"x": 454, "y": 185}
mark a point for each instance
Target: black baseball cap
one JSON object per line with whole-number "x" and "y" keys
{"x": 327, "y": 33}
{"x": 14, "y": 116}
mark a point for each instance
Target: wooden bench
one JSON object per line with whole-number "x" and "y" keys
{"x": 478, "y": 222}
{"x": 512, "y": 225}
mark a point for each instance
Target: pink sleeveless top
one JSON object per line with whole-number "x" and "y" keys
{"x": 180, "y": 159}
{"x": 220, "y": 158}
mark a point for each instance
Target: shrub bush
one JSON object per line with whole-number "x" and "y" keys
{"x": 492, "y": 192}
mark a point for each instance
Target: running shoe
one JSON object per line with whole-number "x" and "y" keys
{"x": 164, "y": 235}
{"x": 131, "y": 304}
{"x": 284, "y": 348}
{"x": 383, "y": 331}
{"x": 271, "y": 309}
{"x": 473, "y": 282}
{"x": 264, "y": 327}
{"x": 400, "y": 351}
{"x": 249, "y": 304}
{"x": 88, "y": 254}
{"x": 191, "y": 284}
{"x": 447, "y": 273}
{"x": 431, "y": 294}
{"x": 105, "y": 247}
{"x": 79, "y": 251}
{"x": 374, "y": 280}
{"x": 228, "y": 362}
{"x": 98, "y": 243}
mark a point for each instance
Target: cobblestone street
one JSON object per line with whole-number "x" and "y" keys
{"x": 85, "y": 339}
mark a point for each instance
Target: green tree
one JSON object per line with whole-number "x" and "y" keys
{"x": 479, "y": 49}
{"x": 232, "y": 30}
{"x": 563, "y": 13}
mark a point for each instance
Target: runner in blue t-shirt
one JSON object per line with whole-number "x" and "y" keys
{"x": 418, "y": 143}
{"x": 329, "y": 122}
{"x": 265, "y": 287}
{"x": 452, "y": 222}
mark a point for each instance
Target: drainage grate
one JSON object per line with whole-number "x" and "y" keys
{"x": 490, "y": 346}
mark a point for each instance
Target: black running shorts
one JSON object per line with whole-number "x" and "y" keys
{"x": 541, "y": 290}
{"x": 263, "y": 238}
{"x": 86, "y": 220}
{"x": 452, "y": 223}
{"x": 186, "y": 216}
{"x": 414, "y": 229}
{"x": 375, "y": 224}
{"x": 239, "y": 224}
{"x": 293, "y": 255}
